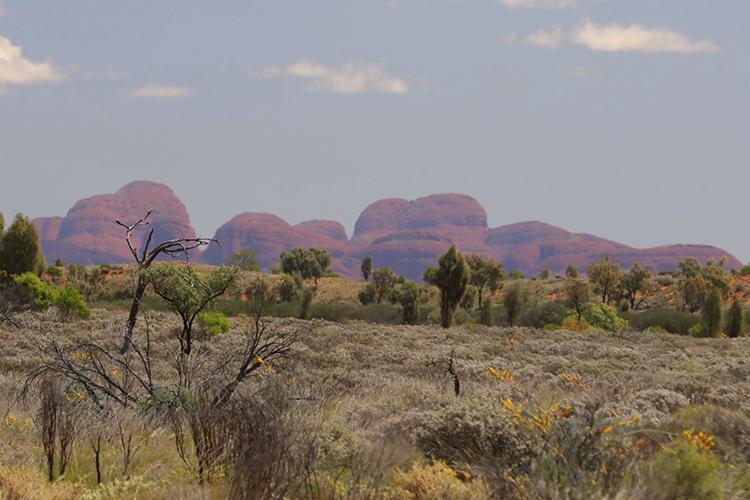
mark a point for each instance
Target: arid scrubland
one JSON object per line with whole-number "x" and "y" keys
{"x": 367, "y": 411}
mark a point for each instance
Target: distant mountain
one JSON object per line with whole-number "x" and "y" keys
{"x": 89, "y": 235}
{"x": 405, "y": 235}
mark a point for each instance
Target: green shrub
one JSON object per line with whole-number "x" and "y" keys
{"x": 35, "y": 291}
{"x": 213, "y": 322}
{"x": 543, "y": 314}
{"x": 54, "y": 271}
{"x": 684, "y": 472}
{"x": 603, "y": 317}
{"x": 287, "y": 289}
{"x": 71, "y": 303}
{"x": 368, "y": 294}
{"x": 671, "y": 320}
{"x": 697, "y": 330}
{"x": 655, "y": 329}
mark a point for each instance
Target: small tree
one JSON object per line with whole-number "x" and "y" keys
{"x": 544, "y": 275}
{"x": 571, "y": 272}
{"x": 367, "y": 295}
{"x": 21, "y": 248}
{"x": 696, "y": 282}
{"x": 406, "y": 295}
{"x": 712, "y": 313}
{"x": 308, "y": 263}
{"x": 693, "y": 290}
{"x": 485, "y": 313}
{"x": 517, "y": 274}
{"x": 430, "y": 276}
{"x": 188, "y": 294}
{"x": 246, "y": 260}
{"x": 383, "y": 281}
{"x": 577, "y": 295}
{"x": 451, "y": 278}
{"x": 735, "y": 320}
{"x": 288, "y": 287}
{"x": 366, "y": 267}
{"x": 144, "y": 257}
{"x": 635, "y": 284}
{"x": 514, "y": 300}
{"x": 485, "y": 274}
{"x": 605, "y": 275}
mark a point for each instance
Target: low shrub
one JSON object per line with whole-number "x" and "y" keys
{"x": 213, "y": 322}
{"x": 436, "y": 480}
{"x": 54, "y": 271}
{"x": 572, "y": 324}
{"x": 70, "y": 303}
{"x": 671, "y": 320}
{"x": 35, "y": 291}
{"x": 543, "y": 314}
{"x": 475, "y": 433}
{"x": 604, "y": 317}
{"x": 686, "y": 472}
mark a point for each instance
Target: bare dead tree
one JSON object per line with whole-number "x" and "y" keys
{"x": 96, "y": 447}
{"x": 144, "y": 257}
{"x": 57, "y": 422}
{"x": 450, "y": 366}
{"x": 259, "y": 349}
{"x": 47, "y": 422}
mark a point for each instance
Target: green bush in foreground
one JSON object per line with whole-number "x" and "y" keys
{"x": 71, "y": 303}
{"x": 35, "y": 291}
{"x": 213, "y": 322}
{"x": 685, "y": 472}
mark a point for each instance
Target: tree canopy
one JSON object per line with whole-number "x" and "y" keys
{"x": 485, "y": 274}
{"x": 605, "y": 275}
{"x": 308, "y": 263}
{"x": 245, "y": 259}
{"x": 21, "y": 248}
{"x": 452, "y": 277}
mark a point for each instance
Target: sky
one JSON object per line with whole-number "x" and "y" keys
{"x": 627, "y": 119}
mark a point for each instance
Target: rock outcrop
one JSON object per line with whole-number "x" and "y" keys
{"x": 405, "y": 235}
{"x": 89, "y": 235}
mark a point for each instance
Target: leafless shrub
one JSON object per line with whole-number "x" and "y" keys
{"x": 56, "y": 419}
{"x": 11, "y": 304}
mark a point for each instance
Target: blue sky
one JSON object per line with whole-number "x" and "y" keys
{"x": 623, "y": 118}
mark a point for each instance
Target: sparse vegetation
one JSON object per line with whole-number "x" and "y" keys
{"x": 557, "y": 405}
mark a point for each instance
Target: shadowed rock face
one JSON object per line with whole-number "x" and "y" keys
{"x": 269, "y": 236}
{"x": 405, "y": 235}
{"x": 89, "y": 235}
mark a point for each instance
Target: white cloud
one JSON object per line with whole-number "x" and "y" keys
{"x": 350, "y": 78}
{"x": 636, "y": 38}
{"x": 162, "y": 91}
{"x": 549, "y": 39}
{"x": 15, "y": 69}
{"x": 546, "y": 4}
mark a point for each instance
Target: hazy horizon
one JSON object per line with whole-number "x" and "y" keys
{"x": 623, "y": 119}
